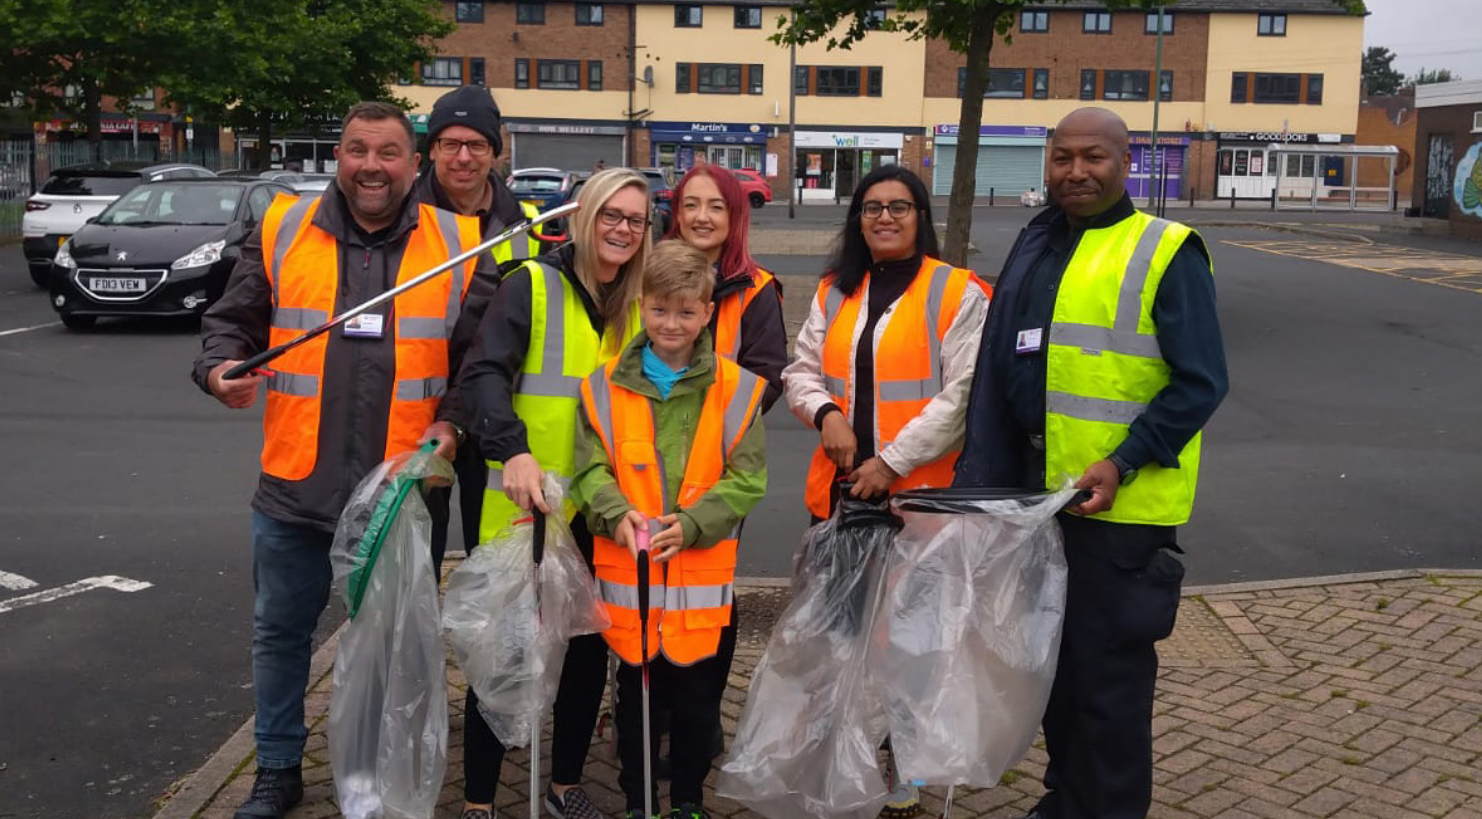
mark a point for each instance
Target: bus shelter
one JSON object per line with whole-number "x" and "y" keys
{"x": 1333, "y": 177}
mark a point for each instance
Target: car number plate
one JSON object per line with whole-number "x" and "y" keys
{"x": 117, "y": 285}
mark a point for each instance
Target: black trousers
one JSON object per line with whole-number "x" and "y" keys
{"x": 685, "y": 693}
{"x": 578, "y": 704}
{"x": 1122, "y": 598}
{"x": 472, "y": 473}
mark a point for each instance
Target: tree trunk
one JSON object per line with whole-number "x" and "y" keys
{"x": 964, "y": 171}
{"x": 264, "y": 140}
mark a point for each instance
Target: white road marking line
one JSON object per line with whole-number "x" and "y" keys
{"x": 114, "y": 582}
{"x": 15, "y": 582}
{"x": 29, "y": 329}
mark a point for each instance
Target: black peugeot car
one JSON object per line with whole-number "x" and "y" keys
{"x": 162, "y": 249}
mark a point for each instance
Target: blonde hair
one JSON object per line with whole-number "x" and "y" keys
{"x": 613, "y": 300}
{"x": 677, "y": 268}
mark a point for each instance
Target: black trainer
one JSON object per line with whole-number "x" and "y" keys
{"x": 274, "y": 792}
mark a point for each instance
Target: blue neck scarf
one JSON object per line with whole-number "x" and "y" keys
{"x": 656, "y": 371}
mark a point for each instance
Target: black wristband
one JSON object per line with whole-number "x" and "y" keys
{"x": 823, "y": 413}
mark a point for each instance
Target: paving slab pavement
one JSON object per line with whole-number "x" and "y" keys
{"x": 1349, "y": 697}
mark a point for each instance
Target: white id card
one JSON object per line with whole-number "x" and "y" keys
{"x": 365, "y": 325}
{"x": 1029, "y": 341}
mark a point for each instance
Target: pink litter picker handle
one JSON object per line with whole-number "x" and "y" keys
{"x": 640, "y": 535}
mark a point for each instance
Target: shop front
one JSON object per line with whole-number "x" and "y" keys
{"x": 567, "y": 146}
{"x": 1167, "y": 180}
{"x": 1011, "y": 159}
{"x": 1244, "y": 168}
{"x": 831, "y": 163}
{"x": 680, "y": 146}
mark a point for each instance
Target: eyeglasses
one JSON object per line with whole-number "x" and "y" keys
{"x": 899, "y": 209}
{"x": 611, "y": 218}
{"x": 476, "y": 147}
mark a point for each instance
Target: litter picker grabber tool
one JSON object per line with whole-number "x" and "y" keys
{"x": 641, "y": 536}
{"x": 483, "y": 247}
{"x": 537, "y": 553}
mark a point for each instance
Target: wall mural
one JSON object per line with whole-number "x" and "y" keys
{"x": 1468, "y": 191}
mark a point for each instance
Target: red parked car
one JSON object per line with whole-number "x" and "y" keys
{"x": 755, "y": 186}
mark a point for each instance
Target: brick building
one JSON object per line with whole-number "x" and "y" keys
{"x": 1448, "y": 154}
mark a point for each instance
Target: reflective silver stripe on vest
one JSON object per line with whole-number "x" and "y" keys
{"x": 298, "y": 318}
{"x": 414, "y": 327}
{"x": 1091, "y": 337}
{"x": 551, "y": 381}
{"x": 293, "y": 218}
{"x": 420, "y": 389}
{"x": 1093, "y": 409}
{"x": 447, "y": 224}
{"x": 926, "y": 388}
{"x": 625, "y": 596}
{"x": 1139, "y": 267}
{"x": 737, "y": 418}
{"x": 295, "y": 384}
{"x": 494, "y": 481}
{"x": 681, "y": 598}
{"x": 602, "y": 405}
{"x": 835, "y": 386}
{"x": 833, "y": 299}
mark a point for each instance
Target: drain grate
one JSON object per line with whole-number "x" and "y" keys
{"x": 1201, "y": 637}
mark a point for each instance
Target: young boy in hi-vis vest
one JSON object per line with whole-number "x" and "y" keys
{"x": 670, "y": 440}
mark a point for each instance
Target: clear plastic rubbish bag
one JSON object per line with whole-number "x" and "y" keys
{"x": 510, "y": 656}
{"x": 968, "y": 642}
{"x": 806, "y": 743}
{"x": 388, "y": 714}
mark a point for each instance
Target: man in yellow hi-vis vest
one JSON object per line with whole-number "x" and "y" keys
{"x": 463, "y": 142}
{"x": 1101, "y": 361}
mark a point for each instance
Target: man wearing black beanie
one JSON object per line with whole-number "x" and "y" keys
{"x": 463, "y": 141}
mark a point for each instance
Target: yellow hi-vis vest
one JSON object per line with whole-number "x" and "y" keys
{"x": 1105, "y": 364}
{"x": 563, "y": 351}
{"x": 527, "y": 247}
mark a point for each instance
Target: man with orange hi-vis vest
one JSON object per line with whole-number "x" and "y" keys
{"x": 670, "y": 440}
{"x": 337, "y": 406}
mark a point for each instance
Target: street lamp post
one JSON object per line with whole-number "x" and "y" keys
{"x": 1155, "y": 202}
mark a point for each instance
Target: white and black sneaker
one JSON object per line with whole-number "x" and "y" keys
{"x": 574, "y": 805}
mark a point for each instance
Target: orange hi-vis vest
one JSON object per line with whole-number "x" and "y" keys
{"x": 690, "y": 595}
{"x": 302, "y": 265}
{"x": 731, "y": 309}
{"x": 908, "y": 366}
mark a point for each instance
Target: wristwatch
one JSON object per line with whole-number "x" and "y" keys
{"x": 459, "y": 433}
{"x": 1126, "y": 473}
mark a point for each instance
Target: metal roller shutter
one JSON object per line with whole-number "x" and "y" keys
{"x": 1008, "y": 169}
{"x": 568, "y": 152}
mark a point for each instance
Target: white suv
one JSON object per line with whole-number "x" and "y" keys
{"x": 73, "y": 195}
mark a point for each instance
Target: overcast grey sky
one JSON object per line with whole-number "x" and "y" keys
{"x": 1428, "y": 34}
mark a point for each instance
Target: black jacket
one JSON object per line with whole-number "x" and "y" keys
{"x": 762, "y": 347}
{"x": 359, "y": 373}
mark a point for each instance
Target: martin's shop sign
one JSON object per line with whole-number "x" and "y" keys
{"x": 709, "y": 133}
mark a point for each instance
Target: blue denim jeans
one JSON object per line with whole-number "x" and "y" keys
{"x": 291, "y": 576}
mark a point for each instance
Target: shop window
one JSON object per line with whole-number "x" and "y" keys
{"x": 748, "y": 17}
{"x": 1041, "y": 83}
{"x": 838, "y": 81}
{"x": 1034, "y": 21}
{"x": 688, "y": 15}
{"x": 1301, "y": 166}
{"x": 594, "y": 75}
{"x": 1151, "y": 26}
{"x": 800, "y": 81}
{"x": 522, "y": 72}
{"x": 1096, "y": 22}
{"x": 1088, "y": 83}
{"x": 1271, "y": 25}
{"x": 1126, "y": 85}
{"x": 1314, "y": 89}
{"x": 718, "y": 78}
{"x": 754, "y": 83}
{"x": 530, "y": 14}
{"x": 476, "y": 73}
{"x": 1239, "y": 82}
{"x": 875, "y": 76}
{"x": 560, "y": 75}
{"x": 1280, "y": 89}
{"x": 469, "y": 12}
{"x": 682, "y": 78}
{"x": 589, "y": 14}
{"x": 1165, "y": 86}
{"x": 443, "y": 71}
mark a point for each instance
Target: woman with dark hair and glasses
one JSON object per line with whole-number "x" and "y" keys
{"x": 550, "y": 324}
{"x": 883, "y": 363}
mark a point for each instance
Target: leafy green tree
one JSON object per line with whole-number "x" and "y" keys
{"x": 292, "y": 64}
{"x": 1381, "y": 78}
{"x": 1431, "y": 76}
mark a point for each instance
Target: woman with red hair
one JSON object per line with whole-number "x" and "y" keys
{"x": 712, "y": 214}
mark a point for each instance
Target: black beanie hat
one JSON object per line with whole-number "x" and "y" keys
{"x": 471, "y": 106}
